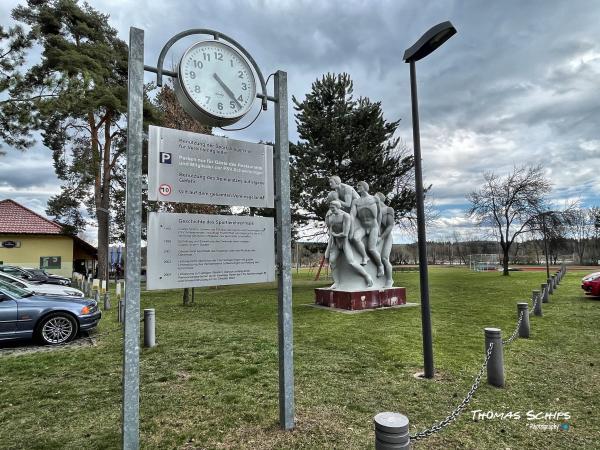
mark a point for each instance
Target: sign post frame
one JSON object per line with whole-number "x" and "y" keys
{"x": 131, "y": 341}
{"x": 131, "y": 347}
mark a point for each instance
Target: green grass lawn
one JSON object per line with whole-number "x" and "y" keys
{"x": 212, "y": 382}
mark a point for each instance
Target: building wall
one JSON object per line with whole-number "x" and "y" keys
{"x": 34, "y": 247}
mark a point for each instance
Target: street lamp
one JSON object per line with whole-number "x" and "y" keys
{"x": 431, "y": 40}
{"x": 546, "y": 245}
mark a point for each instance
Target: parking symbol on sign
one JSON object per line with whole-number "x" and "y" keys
{"x": 165, "y": 158}
{"x": 164, "y": 189}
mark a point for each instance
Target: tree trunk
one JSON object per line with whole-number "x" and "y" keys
{"x": 505, "y": 261}
{"x": 102, "y": 242}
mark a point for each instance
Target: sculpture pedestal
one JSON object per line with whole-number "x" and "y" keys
{"x": 363, "y": 299}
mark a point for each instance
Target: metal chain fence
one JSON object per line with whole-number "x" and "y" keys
{"x": 516, "y": 332}
{"x": 537, "y": 299}
{"x": 454, "y": 414}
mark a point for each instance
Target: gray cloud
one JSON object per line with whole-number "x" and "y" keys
{"x": 516, "y": 85}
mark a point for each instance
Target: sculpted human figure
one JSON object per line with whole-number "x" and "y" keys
{"x": 385, "y": 235}
{"x": 346, "y": 193}
{"x": 339, "y": 222}
{"x": 331, "y": 196}
{"x": 366, "y": 213}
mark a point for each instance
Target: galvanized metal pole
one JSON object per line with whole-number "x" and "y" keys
{"x": 131, "y": 341}
{"x": 284, "y": 254}
{"x": 422, "y": 239}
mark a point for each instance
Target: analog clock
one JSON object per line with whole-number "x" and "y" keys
{"x": 215, "y": 83}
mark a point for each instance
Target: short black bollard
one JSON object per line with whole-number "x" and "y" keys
{"x": 537, "y": 298}
{"x": 391, "y": 431}
{"x": 554, "y": 283}
{"x": 550, "y": 286}
{"x": 495, "y": 365}
{"x": 149, "y": 328}
{"x": 523, "y": 308}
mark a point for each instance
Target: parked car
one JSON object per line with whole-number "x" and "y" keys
{"x": 50, "y": 277}
{"x": 591, "y": 284}
{"x": 41, "y": 288}
{"x": 19, "y": 272}
{"x": 50, "y": 320}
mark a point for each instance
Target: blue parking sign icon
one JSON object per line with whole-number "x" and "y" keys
{"x": 164, "y": 158}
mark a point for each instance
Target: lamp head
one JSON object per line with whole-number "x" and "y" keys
{"x": 431, "y": 40}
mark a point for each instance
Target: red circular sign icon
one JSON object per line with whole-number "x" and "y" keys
{"x": 164, "y": 189}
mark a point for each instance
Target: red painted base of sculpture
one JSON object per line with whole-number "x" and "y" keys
{"x": 357, "y": 300}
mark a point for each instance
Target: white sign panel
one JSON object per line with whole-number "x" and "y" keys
{"x": 190, "y": 250}
{"x": 198, "y": 168}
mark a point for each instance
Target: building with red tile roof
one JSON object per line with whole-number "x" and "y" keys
{"x": 28, "y": 239}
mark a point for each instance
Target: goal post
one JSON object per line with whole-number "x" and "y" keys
{"x": 482, "y": 262}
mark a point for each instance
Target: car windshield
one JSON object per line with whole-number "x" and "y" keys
{"x": 37, "y": 272}
{"x": 14, "y": 291}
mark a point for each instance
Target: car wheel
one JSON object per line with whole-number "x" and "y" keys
{"x": 57, "y": 328}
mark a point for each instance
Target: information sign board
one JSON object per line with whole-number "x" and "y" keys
{"x": 199, "y": 168}
{"x": 191, "y": 250}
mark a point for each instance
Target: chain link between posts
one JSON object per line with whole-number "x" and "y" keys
{"x": 535, "y": 303}
{"x": 459, "y": 409}
{"x": 516, "y": 332}
{"x": 454, "y": 414}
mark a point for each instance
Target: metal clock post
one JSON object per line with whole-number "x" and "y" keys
{"x": 218, "y": 117}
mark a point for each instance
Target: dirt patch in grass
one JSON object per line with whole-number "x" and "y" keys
{"x": 23, "y": 348}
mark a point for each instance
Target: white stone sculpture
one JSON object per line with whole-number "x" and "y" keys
{"x": 385, "y": 237}
{"x": 360, "y": 240}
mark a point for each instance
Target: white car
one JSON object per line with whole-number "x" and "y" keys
{"x": 41, "y": 288}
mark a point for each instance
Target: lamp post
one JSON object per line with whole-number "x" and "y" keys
{"x": 430, "y": 41}
{"x": 546, "y": 244}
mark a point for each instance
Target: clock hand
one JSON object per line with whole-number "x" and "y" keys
{"x": 226, "y": 89}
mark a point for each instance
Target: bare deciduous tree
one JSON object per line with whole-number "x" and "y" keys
{"x": 581, "y": 224}
{"x": 510, "y": 204}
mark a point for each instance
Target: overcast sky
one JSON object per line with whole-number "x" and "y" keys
{"x": 519, "y": 83}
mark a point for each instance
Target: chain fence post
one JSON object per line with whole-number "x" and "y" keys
{"x": 549, "y": 287}
{"x": 523, "y": 314}
{"x": 391, "y": 431}
{"x": 554, "y": 282}
{"x": 495, "y": 365}
{"x": 537, "y": 298}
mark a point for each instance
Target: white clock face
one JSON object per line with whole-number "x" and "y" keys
{"x": 217, "y": 79}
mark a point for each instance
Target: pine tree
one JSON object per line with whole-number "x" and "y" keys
{"x": 15, "y": 120}
{"x": 77, "y": 97}
{"x": 349, "y": 138}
